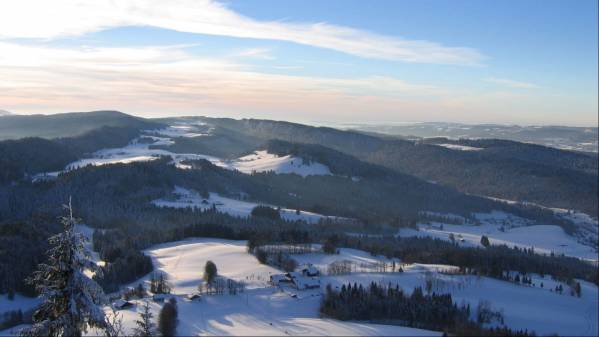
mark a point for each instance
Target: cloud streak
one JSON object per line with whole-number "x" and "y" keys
{"x": 510, "y": 83}
{"x": 62, "y": 18}
{"x": 168, "y": 81}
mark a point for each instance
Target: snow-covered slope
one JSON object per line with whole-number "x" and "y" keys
{"x": 180, "y": 130}
{"x": 262, "y": 161}
{"x": 460, "y": 147}
{"x": 187, "y": 198}
{"x": 362, "y": 260}
{"x": 261, "y": 310}
{"x": 266, "y": 310}
{"x": 523, "y": 307}
{"x": 139, "y": 151}
{"x": 543, "y": 238}
{"x": 587, "y": 227}
{"x": 507, "y": 229}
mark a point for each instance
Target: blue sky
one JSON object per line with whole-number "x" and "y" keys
{"x": 515, "y": 62}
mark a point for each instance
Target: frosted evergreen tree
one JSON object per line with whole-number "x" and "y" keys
{"x": 70, "y": 300}
{"x": 145, "y": 327}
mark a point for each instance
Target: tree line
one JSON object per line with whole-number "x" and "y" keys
{"x": 391, "y": 305}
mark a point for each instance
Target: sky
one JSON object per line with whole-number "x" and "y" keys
{"x": 340, "y": 61}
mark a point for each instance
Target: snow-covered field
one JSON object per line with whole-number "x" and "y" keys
{"x": 506, "y": 229}
{"x": 524, "y": 307}
{"x": 587, "y": 226}
{"x": 361, "y": 260}
{"x": 187, "y": 198}
{"x": 543, "y": 238}
{"x": 267, "y": 310}
{"x": 262, "y": 161}
{"x": 261, "y": 310}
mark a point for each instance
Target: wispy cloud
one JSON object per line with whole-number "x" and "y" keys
{"x": 169, "y": 80}
{"x": 510, "y": 83}
{"x": 59, "y": 18}
{"x": 257, "y": 53}
{"x": 160, "y": 81}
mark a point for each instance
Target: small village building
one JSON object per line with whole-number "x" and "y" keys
{"x": 299, "y": 280}
{"x": 305, "y": 283}
{"x": 277, "y": 279}
{"x": 121, "y": 304}
{"x": 194, "y": 297}
{"x": 310, "y": 271}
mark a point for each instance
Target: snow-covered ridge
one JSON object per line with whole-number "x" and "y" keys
{"x": 186, "y": 198}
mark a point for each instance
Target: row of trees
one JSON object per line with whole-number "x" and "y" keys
{"x": 493, "y": 261}
{"x": 389, "y": 304}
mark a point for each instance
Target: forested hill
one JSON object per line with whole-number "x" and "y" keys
{"x": 28, "y": 156}
{"x": 538, "y": 154}
{"x": 489, "y": 171}
{"x": 67, "y": 124}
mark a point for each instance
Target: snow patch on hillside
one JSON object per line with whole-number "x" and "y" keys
{"x": 460, "y": 147}
{"x": 180, "y": 130}
{"x": 139, "y": 150}
{"x": 523, "y": 307}
{"x": 185, "y": 198}
{"x": 262, "y": 161}
{"x": 545, "y": 239}
{"x": 587, "y": 227}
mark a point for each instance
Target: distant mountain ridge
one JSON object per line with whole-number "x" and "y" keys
{"x": 67, "y": 124}
{"x": 5, "y": 113}
{"x": 561, "y": 137}
{"x": 501, "y": 169}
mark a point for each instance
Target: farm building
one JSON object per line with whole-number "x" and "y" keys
{"x": 276, "y": 279}
{"x": 121, "y": 304}
{"x": 194, "y": 297}
{"x": 296, "y": 279}
{"x": 310, "y": 271}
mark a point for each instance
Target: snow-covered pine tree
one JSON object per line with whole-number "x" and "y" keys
{"x": 145, "y": 327}
{"x": 70, "y": 300}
